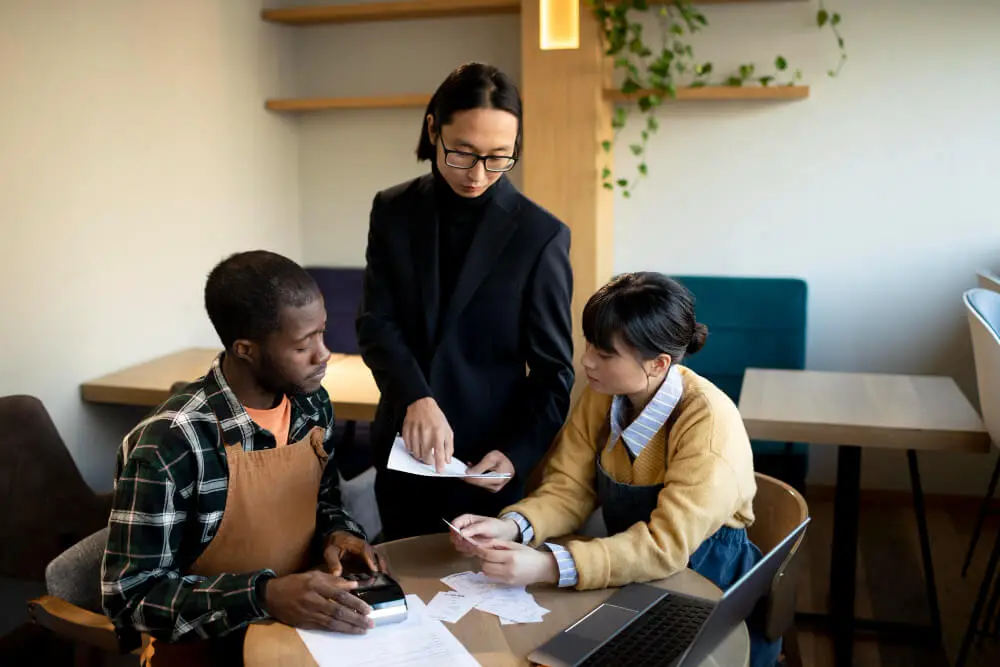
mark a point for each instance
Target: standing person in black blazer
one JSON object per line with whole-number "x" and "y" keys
{"x": 465, "y": 318}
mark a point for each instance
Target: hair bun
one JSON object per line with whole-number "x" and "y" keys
{"x": 697, "y": 338}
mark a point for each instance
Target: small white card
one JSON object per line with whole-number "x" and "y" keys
{"x": 402, "y": 460}
{"x": 450, "y": 607}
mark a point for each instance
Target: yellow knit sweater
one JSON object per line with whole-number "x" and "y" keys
{"x": 704, "y": 462}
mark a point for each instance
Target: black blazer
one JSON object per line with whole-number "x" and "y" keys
{"x": 510, "y": 309}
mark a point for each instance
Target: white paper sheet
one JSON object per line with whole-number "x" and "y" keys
{"x": 400, "y": 459}
{"x": 512, "y": 604}
{"x": 450, "y": 607}
{"x": 418, "y": 641}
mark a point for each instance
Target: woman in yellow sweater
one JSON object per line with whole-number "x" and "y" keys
{"x": 661, "y": 450}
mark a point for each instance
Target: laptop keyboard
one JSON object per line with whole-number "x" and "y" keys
{"x": 657, "y": 637}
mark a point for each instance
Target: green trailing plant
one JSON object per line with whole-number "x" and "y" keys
{"x": 652, "y": 72}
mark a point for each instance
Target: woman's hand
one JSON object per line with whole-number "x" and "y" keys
{"x": 427, "y": 434}
{"x": 495, "y": 461}
{"x": 481, "y": 529}
{"x": 516, "y": 564}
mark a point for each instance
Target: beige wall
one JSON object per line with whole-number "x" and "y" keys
{"x": 347, "y": 156}
{"x": 135, "y": 154}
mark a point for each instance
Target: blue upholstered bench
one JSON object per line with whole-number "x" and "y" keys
{"x": 341, "y": 288}
{"x": 753, "y": 323}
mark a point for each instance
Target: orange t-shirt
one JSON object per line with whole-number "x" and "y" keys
{"x": 277, "y": 420}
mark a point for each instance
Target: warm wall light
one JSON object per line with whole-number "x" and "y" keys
{"x": 560, "y": 24}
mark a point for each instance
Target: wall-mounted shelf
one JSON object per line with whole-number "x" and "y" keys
{"x": 390, "y": 11}
{"x": 302, "y": 104}
{"x": 420, "y": 9}
{"x": 420, "y": 100}
{"x": 721, "y": 93}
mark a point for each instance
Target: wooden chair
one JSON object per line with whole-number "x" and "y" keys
{"x": 72, "y": 609}
{"x": 778, "y": 510}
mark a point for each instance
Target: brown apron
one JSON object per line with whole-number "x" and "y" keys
{"x": 269, "y": 522}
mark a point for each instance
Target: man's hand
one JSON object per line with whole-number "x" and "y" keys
{"x": 427, "y": 434}
{"x": 344, "y": 547}
{"x": 495, "y": 461}
{"x": 481, "y": 528}
{"x": 517, "y": 564}
{"x": 316, "y": 600}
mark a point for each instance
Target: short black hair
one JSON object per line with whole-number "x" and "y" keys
{"x": 471, "y": 86}
{"x": 246, "y": 291}
{"x": 650, "y": 312}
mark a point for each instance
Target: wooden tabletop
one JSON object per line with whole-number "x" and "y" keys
{"x": 418, "y": 564}
{"x": 349, "y": 382}
{"x": 921, "y": 412}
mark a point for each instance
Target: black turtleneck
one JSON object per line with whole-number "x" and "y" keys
{"x": 458, "y": 220}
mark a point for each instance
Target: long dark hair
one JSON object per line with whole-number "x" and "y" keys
{"x": 650, "y": 312}
{"x": 471, "y": 86}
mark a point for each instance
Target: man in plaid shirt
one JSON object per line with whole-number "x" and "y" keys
{"x": 223, "y": 496}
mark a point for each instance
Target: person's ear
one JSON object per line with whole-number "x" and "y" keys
{"x": 660, "y": 365}
{"x": 431, "y": 129}
{"x": 246, "y": 351}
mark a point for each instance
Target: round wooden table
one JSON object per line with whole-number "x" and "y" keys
{"x": 418, "y": 563}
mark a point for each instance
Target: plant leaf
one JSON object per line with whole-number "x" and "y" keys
{"x": 606, "y": 145}
{"x": 734, "y": 81}
{"x": 622, "y": 182}
{"x": 627, "y": 194}
{"x": 608, "y": 186}
{"x": 643, "y": 169}
{"x": 605, "y": 173}
{"x": 781, "y": 64}
{"x": 822, "y": 16}
{"x": 652, "y": 123}
{"x": 765, "y": 80}
{"x": 636, "y": 149}
{"x": 647, "y": 102}
{"x": 835, "y": 19}
{"x": 630, "y": 86}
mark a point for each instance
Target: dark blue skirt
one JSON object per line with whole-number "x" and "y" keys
{"x": 723, "y": 559}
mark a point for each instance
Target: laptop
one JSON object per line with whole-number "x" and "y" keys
{"x": 642, "y": 624}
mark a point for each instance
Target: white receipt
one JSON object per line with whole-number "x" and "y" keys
{"x": 417, "y": 641}
{"x": 400, "y": 459}
{"x": 511, "y": 604}
{"x": 450, "y": 607}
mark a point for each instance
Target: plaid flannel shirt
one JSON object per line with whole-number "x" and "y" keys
{"x": 170, "y": 492}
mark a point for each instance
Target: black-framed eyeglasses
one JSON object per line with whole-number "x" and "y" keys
{"x": 466, "y": 160}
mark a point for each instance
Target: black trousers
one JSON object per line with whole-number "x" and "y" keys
{"x": 411, "y": 505}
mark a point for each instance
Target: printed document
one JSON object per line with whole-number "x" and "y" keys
{"x": 419, "y": 640}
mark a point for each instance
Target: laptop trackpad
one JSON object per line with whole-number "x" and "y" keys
{"x": 603, "y": 622}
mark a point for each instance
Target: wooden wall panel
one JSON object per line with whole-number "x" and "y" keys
{"x": 566, "y": 117}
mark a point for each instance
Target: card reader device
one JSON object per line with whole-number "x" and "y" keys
{"x": 383, "y": 594}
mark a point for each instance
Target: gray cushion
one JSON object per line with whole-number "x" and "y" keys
{"x": 75, "y": 575}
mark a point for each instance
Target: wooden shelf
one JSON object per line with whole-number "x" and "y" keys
{"x": 300, "y": 104}
{"x": 421, "y": 9}
{"x": 721, "y": 93}
{"x": 420, "y": 100}
{"x": 390, "y": 11}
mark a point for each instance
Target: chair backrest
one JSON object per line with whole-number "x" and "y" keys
{"x": 983, "y": 309}
{"x": 778, "y": 510}
{"x": 341, "y": 288}
{"x": 989, "y": 280}
{"x": 55, "y": 507}
{"x": 75, "y": 574}
{"x": 752, "y": 322}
